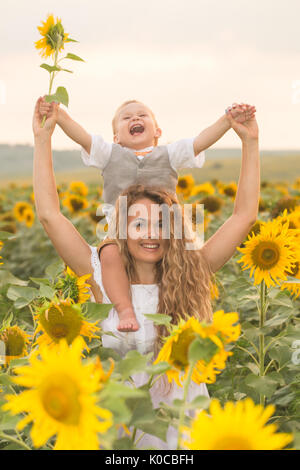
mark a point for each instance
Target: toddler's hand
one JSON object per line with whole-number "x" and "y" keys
{"x": 241, "y": 112}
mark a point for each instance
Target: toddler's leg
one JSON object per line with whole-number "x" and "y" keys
{"x": 116, "y": 285}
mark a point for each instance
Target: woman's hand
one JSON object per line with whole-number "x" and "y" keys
{"x": 47, "y": 130}
{"x": 247, "y": 131}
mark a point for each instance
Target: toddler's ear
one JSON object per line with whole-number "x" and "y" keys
{"x": 116, "y": 140}
{"x": 158, "y": 132}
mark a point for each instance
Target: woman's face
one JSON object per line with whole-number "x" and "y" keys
{"x": 143, "y": 217}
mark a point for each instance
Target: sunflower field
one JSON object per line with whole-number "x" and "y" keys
{"x": 61, "y": 389}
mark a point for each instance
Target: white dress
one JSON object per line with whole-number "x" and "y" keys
{"x": 145, "y": 300}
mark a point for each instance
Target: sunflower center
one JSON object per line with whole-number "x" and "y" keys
{"x": 229, "y": 191}
{"x": 66, "y": 323}
{"x": 60, "y": 399}
{"x": 14, "y": 344}
{"x": 232, "y": 443}
{"x": 76, "y": 204}
{"x": 266, "y": 255}
{"x": 180, "y": 348}
{"x": 183, "y": 184}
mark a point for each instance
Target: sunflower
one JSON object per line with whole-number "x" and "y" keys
{"x": 239, "y": 426}
{"x": 60, "y": 398}
{"x": 104, "y": 376}
{"x": 176, "y": 349}
{"x": 28, "y": 215}
{"x": 282, "y": 189}
{"x": 296, "y": 184}
{"x": 53, "y": 37}
{"x": 293, "y": 287}
{"x": 1, "y": 246}
{"x": 229, "y": 189}
{"x": 75, "y": 203}
{"x": 62, "y": 320}
{"x": 184, "y": 185}
{"x": 93, "y": 212}
{"x": 15, "y": 341}
{"x": 75, "y": 287}
{"x": 78, "y": 187}
{"x": 270, "y": 254}
{"x": 19, "y": 210}
{"x": 288, "y": 202}
{"x": 206, "y": 188}
{"x": 212, "y": 204}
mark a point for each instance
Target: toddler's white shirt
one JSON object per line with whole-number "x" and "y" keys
{"x": 181, "y": 154}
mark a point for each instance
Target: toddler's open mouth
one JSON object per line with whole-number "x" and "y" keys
{"x": 137, "y": 129}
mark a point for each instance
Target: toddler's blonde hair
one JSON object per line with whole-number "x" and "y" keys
{"x": 116, "y": 116}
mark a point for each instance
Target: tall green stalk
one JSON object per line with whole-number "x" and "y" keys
{"x": 185, "y": 394}
{"x": 262, "y": 319}
{"x": 52, "y": 75}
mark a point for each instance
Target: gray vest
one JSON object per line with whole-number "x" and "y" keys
{"x": 124, "y": 169}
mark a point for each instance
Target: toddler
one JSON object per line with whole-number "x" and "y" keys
{"x": 135, "y": 157}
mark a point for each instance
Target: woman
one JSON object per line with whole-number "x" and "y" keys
{"x": 164, "y": 277}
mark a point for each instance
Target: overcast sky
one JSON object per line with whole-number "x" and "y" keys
{"x": 187, "y": 60}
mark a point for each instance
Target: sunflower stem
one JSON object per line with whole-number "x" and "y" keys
{"x": 13, "y": 439}
{"x": 182, "y": 410}
{"x": 52, "y": 75}
{"x": 262, "y": 318}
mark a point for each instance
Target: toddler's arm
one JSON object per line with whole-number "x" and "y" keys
{"x": 116, "y": 285}
{"x": 69, "y": 126}
{"x": 213, "y": 133}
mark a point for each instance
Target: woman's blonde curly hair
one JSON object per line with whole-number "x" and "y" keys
{"x": 183, "y": 276}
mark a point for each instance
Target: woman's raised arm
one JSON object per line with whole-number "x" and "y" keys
{"x": 68, "y": 242}
{"x": 222, "y": 245}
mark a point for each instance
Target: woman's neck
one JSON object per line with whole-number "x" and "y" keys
{"x": 145, "y": 272}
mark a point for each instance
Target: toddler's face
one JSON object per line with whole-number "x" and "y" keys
{"x": 136, "y": 128}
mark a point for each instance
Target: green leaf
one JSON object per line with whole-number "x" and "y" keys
{"x": 73, "y": 57}
{"x": 125, "y": 443}
{"x": 66, "y": 70}
{"x": 5, "y": 379}
{"x": 202, "y": 349}
{"x": 40, "y": 280}
{"x": 201, "y": 401}
{"x": 28, "y": 293}
{"x": 47, "y": 291}
{"x": 60, "y": 96}
{"x": 8, "y": 422}
{"x": 106, "y": 353}
{"x": 157, "y": 428}
{"x": 159, "y": 318}
{"x": 50, "y": 68}
{"x": 70, "y": 40}
{"x": 21, "y": 302}
{"x": 120, "y": 411}
{"x": 116, "y": 390}
{"x": 264, "y": 385}
{"x": 141, "y": 410}
{"x": 96, "y": 311}
{"x": 132, "y": 363}
{"x": 54, "y": 269}
{"x": 156, "y": 369}
{"x": 7, "y": 278}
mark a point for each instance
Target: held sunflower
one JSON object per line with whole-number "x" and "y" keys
{"x": 61, "y": 398}
{"x": 239, "y": 426}
{"x": 53, "y": 37}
